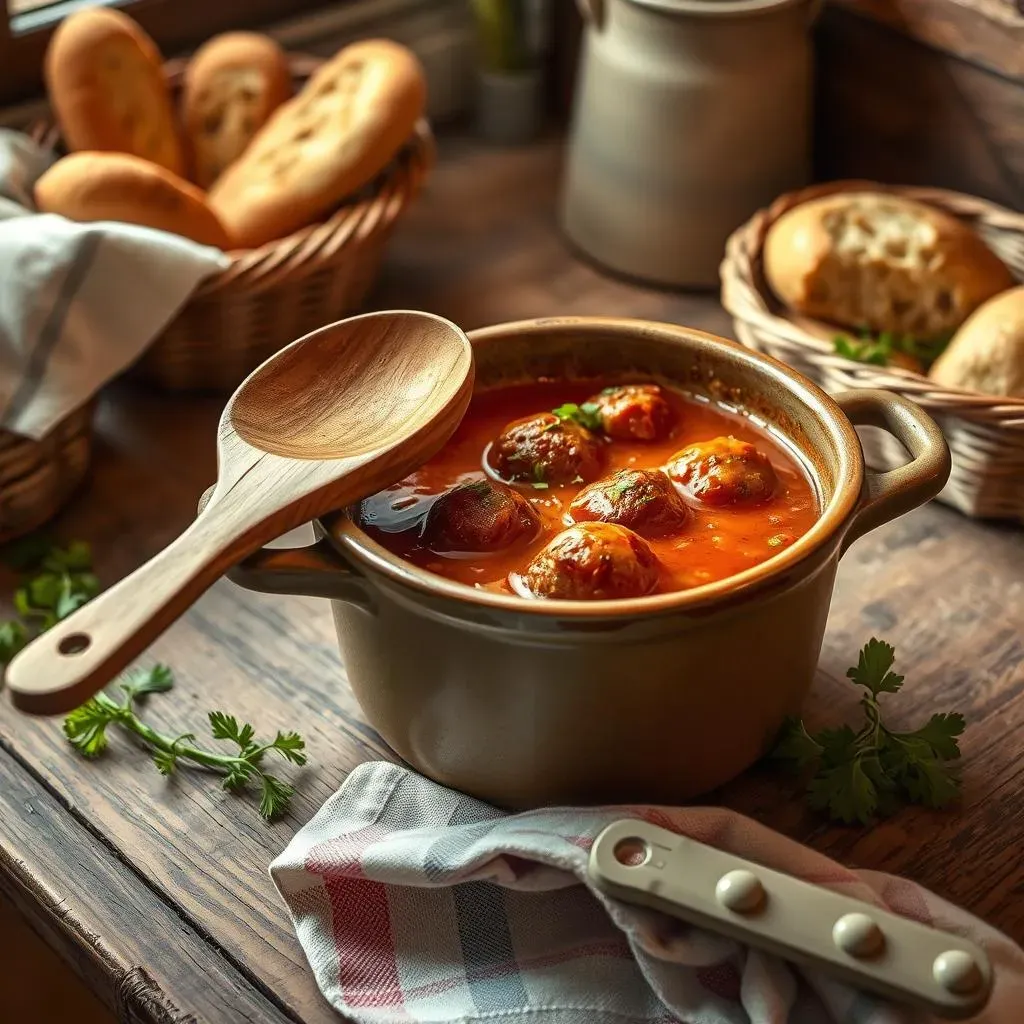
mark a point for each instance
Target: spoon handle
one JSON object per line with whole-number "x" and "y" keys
{"x": 77, "y": 657}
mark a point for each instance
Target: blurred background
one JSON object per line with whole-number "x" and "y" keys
{"x": 918, "y": 91}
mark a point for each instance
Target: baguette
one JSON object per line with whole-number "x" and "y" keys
{"x": 232, "y": 86}
{"x": 120, "y": 187}
{"x": 349, "y": 121}
{"x": 105, "y": 81}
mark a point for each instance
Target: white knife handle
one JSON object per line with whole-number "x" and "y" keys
{"x": 868, "y": 948}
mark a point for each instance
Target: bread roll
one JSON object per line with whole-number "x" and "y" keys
{"x": 987, "y": 353}
{"x": 343, "y": 128}
{"x": 867, "y": 259}
{"x": 104, "y": 77}
{"x": 232, "y": 85}
{"x": 116, "y": 186}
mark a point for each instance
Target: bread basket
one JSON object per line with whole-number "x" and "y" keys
{"x": 985, "y": 433}
{"x": 38, "y": 477}
{"x": 271, "y": 295}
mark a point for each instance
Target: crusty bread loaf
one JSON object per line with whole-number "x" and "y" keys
{"x": 105, "y": 82}
{"x": 116, "y": 186}
{"x": 874, "y": 260}
{"x": 233, "y": 84}
{"x": 343, "y": 128}
{"x": 987, "y": 353}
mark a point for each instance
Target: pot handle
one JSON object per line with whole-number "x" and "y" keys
{"x": 890, "y": 494}
{"x": 315, "y": 570}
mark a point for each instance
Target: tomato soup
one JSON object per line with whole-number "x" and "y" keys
{"x": 723, "y": 517}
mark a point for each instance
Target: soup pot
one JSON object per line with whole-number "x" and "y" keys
{"x": 660, "y": 698}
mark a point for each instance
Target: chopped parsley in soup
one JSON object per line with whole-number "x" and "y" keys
{"x": 590, "y": 492}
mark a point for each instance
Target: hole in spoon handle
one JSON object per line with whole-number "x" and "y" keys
{"x": 74, "y": 644}
{"x": 69, "y": 663}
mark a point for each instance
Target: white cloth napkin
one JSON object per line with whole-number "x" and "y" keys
{"x": 415, "y": 903}
{"x": 78, "y": 302}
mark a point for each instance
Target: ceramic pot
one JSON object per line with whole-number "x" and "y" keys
{"x": 688, "y": 117}
{"x": 660, "y": 698}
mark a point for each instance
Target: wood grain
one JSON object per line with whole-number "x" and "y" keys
{"x": 47, "y": 990}
{"x": 331, "y": 419}
{"x": 985, "y": 32}
{"x": 893, "y": 110}
{"x": 481, "y": 247}
{"x": 106, "y": 923}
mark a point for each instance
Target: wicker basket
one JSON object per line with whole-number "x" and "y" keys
{"x": 985, "y": 433}
{"x": 272, "y": 295}
{"x": 38, "y": 477}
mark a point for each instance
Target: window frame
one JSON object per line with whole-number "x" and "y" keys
{"x": 175, "y": 25}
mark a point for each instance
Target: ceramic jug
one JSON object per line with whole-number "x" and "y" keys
{"x": 689, "y": 115}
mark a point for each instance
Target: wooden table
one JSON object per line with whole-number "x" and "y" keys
{"x": 157, "y": 891}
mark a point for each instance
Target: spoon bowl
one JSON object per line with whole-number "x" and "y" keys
{"x": 335, "y": 416}
{"x": 379, "y": 389}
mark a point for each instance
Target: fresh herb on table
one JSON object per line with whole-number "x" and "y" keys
{"x": 857, "y": 776}
{"x": 58, "y": 581}
{"x": 891, "y": 349}
{"x": 586, "y": 415}
{"x": 86, "y": 728}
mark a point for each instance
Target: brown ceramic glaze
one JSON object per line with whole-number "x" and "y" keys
{"x": 657, "y": 698}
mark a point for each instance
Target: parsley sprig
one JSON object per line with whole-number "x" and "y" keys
{"x": 87, "y": 727}
{"x": 858, "y": 776}
{"x": 891, "y": 349}
{"x": 586, "y": 415}
{"x": 58, "y": 581}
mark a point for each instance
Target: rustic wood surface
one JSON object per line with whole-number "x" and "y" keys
{"x": 985, "y": 32}
{"x": 894, "y": 110}
{"x": 157, "y": 892}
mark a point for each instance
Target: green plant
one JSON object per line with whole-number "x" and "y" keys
{"x": 891, "y": 349}
{"x": 503, "y": 34}
{"x": 586, "y": 415}
{"x": 858, "y": 775}
{"x": 56, "y": 581}
{"x": 86, "y": 729}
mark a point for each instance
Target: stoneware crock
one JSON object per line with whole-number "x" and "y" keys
{"x": 688, "y": 116}
{"x": 656, "y": 699}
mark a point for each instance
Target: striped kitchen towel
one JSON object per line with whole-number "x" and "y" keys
{"x": 78, "y": 302}
{"x": 415, "y": 903}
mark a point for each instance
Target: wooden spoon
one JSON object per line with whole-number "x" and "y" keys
{"x": 335, "y": 416}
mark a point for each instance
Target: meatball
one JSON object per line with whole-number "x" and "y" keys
{"x": 725, "y": 471}
{"x": 593, "y": 562}
{"x": 547, "y": 450}
{"x": 479, "y": 517}
{"x": 634, "y": 412}
{"x": 642, "y": 499}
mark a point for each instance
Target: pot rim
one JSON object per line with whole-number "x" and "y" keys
{"x": 718, "y": 8}
{"x": 367, "y": 554}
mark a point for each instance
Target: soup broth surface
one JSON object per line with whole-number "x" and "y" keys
{"x": 716, "y": 541}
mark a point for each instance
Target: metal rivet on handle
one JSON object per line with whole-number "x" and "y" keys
{"x": 740, "y": 891}
{"x": 858, "y": 935}
{"x": 957, "y": 972}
